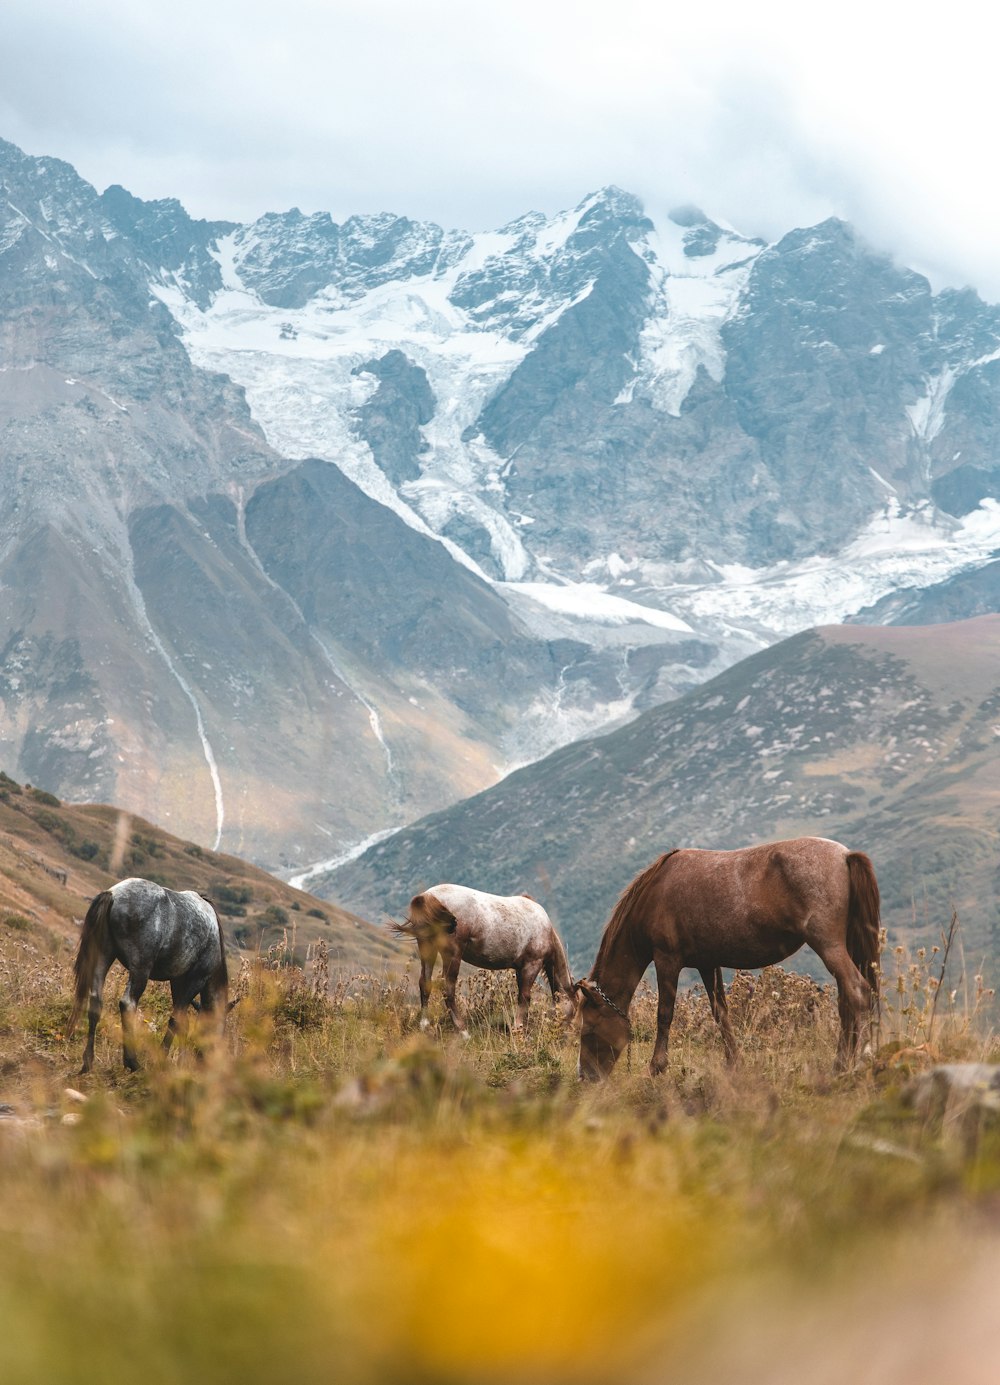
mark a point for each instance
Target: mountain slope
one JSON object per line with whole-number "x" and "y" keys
{"x": 887, "y": 739}
{"x": 471, "y": 495}
{"x": 152, "y": 655}
{"x": 54, "y": 857}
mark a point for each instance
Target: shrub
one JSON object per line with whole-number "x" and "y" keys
{"x": 232, "y": 894}
{"x": 50, "y": 823}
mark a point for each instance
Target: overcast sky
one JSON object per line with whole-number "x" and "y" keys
{"x": 767, "y": 114}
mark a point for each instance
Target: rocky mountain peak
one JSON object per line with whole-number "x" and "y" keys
{"x": 613, "y": 203}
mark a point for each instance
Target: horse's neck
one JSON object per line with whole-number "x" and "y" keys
{"x": 620, "y": 970}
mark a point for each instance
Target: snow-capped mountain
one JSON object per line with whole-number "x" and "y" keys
{"x": 308, "y": 528}
{"x": 585, "y": 406}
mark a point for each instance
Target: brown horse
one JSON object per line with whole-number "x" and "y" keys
{"x": 746, "y": 908}
{"x": 488, "y": 930}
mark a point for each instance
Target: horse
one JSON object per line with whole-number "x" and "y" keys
{"x": 746, "y": 908}
{"x": 487, "y": 930}
{"x": 157, "y": 934}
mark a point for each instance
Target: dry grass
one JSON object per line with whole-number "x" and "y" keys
{"x": 54, "y": 857}
{"x": 330, "y": 1194}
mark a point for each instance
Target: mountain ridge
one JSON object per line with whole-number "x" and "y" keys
{"x": 885, "y": 738}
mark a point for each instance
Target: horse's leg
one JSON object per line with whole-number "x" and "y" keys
{"x": 210, "y": 1013}
{"x": 853, "y": 999}
{"x": 94, "y": 1008}
{"x": 716, "y": 990}
{"x": 550, "y": 977}
{"x": 128, "y": 1005}
{"x": 451, "y": 958}
{"x": 428, "y": 956}
{"x": 527, "y": 975}
{"x": 668, "y": 969}
{"x": 182, "y": 996}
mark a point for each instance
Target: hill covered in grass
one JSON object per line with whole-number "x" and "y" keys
{"x": 54, "y": 857}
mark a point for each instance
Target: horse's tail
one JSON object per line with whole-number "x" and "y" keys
{"x": 426, "y": 918}
{"x": 863, "y": 918}
{"x": 94, "y": 940}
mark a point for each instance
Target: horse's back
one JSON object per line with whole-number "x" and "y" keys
{"x": 166, "y": 932}
{"x": 750, "y": 906}
{"x": 495, "y": 930}
{"x": 801, "y": 862}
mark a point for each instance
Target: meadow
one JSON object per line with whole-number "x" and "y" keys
{"x": 330, "y": 1194}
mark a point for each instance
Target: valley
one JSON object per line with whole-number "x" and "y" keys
{"x": 311, "y": 531}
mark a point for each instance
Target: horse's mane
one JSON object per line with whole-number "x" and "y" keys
{"x": 619, "y": 923}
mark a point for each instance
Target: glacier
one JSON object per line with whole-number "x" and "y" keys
{"x": 468, "y": 309}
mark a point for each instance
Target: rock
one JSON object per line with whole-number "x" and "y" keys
{"x": 954, "y": 1091}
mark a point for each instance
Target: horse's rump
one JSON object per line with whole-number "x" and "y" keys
{"x": 94, "y": 939}
{"x": 863, "y": 917}
{"x": 220, "y": 977}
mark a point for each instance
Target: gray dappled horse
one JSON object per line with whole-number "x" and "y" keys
{"x": 487, "y": 930}
{"x": 747, "y": 908}
{"x": 158, "y": 935}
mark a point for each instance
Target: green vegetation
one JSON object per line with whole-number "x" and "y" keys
{"x": 43, "y": 796}
{"x": 331, "y": 1194}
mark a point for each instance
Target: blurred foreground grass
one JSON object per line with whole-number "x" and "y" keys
{"x": 331, "y": 1195}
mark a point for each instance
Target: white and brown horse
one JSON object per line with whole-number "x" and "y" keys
{"x": 498, "y": 932}
{"x": 746, "y": 908}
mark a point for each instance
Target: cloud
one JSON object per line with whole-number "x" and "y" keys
{"x": 770, "y": 115}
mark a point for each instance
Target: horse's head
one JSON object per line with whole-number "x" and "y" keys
{"x": 568, "y": 1003}
{"x": 604, "y": 1032}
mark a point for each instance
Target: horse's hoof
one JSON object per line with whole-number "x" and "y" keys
{"x": 466, "y": 1036}
{"x": 425, "y": 1022}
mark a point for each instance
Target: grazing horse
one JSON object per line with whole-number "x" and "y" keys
{"x": 746, "y": 908}
{"x": 488, "y": 930}
{"x": 156, "y": 934}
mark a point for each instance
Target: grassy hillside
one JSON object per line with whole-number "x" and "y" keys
{"x": 331, "y": 1195}
{"x": 885, "y": 738}
{"x": 54, "y": 857}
